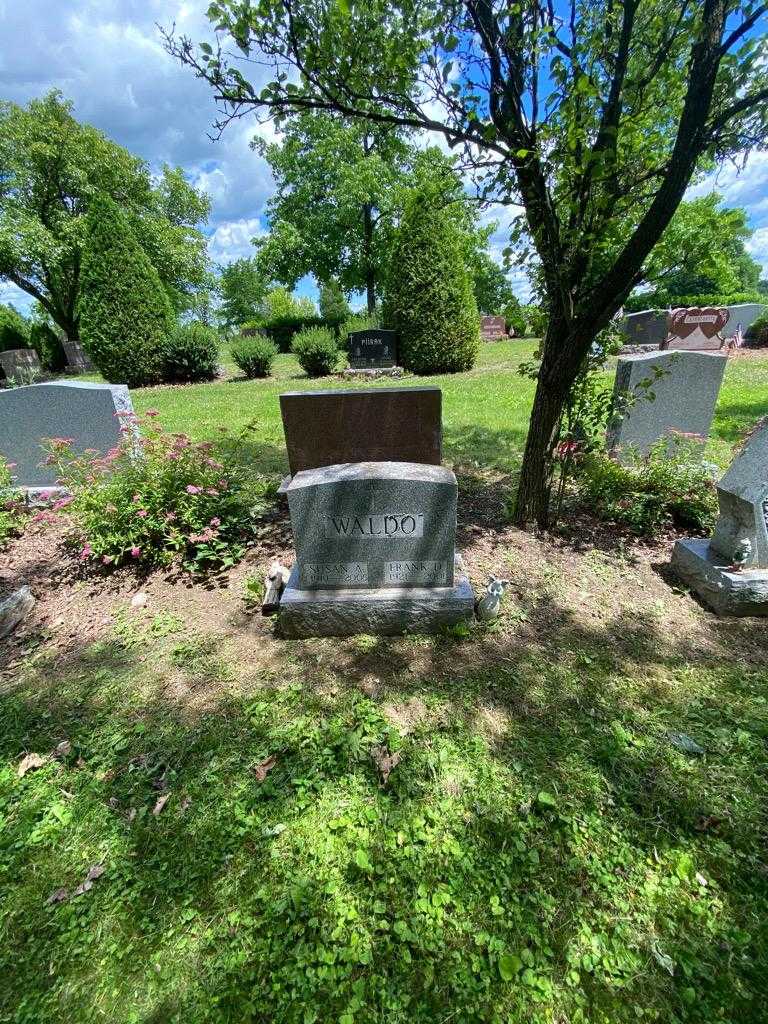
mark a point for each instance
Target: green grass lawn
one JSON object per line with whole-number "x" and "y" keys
{"x": 485, "y": 412}
{"x": 542, "y": 853}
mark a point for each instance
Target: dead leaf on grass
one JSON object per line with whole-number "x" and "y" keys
{"x": 29, "y": 763}
{"x": 161, "y": 802}
{"x": 131, "y": 815}
{"x": 57, "y": 897}
{"x": 185, "y": 804}
{"x": 94, "y": 872}
{"x": 385, "y": 761}
{"x": 62, "y": 749}
{"x": 262, "y": 770}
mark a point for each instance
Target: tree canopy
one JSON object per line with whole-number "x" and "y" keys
{"x": 242, "y": 288}
{"x": 51, "y": 169}
{"x": 594, "y": 115}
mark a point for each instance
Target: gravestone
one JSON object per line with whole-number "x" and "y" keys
{"x": 648, "y": 327}
{"x": 744, "y": 313}
{"x": 375, "y": 550}
{"x": 371, "y": 349}
{"x": 22, "y": 362}
{"x": 685, "y": 386}
{"x": 696, "y": 328}
{"x": 324, "y": 428}
{"x": 493, "y": 328}
{"x": 77, "y": 357}
{"x": 87, "y": 413}
{"x": 730, "y": 571}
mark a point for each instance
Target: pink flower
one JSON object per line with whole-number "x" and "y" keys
{"x": 191, "y": 489}
{"x": 135, "y": 552}
{"x": 62, "y": 503}
{"x": 45, "y": 495}
{"x": 136, "y": 497}
{"x": 142, "y": 513}
{"x": 213, "y": 464}
{"x": 215, "y": 521}
{"x": 171, "y": 517}
{"x": 11, "y": 465}
{"x": 223, "y": 484}
{"x": 172, "y": 456}
{"x": 86, "y": 552}
{"x": 106, "y": 559}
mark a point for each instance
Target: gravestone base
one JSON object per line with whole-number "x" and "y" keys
{"x": 371, "y": 372}
{"x": 726, "y": 592}
{"x": 381, "y": 612}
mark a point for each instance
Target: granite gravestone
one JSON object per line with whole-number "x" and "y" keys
{"x": 77, "y": 358}
{"x": 744, "y": 313}
{"x": 493, "y": 328}
{"x": 695, "y": 328}
{"x": 324, "y": 428}
{"x": 372, "y": 348}
{"x": 87, "y": 413}
{"x": 23, "y": 362}
{"x": 648, "y": 327}
{"x": 375, "y": 549}
{"x": 730, "y": 571}
{"x": 666, "y": 391}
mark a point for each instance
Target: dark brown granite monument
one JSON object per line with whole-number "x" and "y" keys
{"x": 493, "y": 328}
{"x": 695, "y": 329}
{"x": 326, "y": 428}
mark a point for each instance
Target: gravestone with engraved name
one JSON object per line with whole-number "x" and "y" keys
{"x": 493, "y": 328}
{"x": 730, "y": 571}
{"x": 664, "y": 392}
{"x": 20, "y": 363}
{"x": 695, "y": 328}
{"x": 372, "y": 348}
{"x": 375, "y": 550}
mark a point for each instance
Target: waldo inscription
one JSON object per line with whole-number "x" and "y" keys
{"x": 374, "y": 524}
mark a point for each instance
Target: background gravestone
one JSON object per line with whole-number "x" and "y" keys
{"x": 685, "y": 386}
{"x": 77, "y": 358}
{"x": 648, "y": 327}
{"x": 695, "y": 328}
{"x": 493, "y": 328}
{"x": 15, "y": 361}
{"x": 375, "y": 550}
{"x": 84, "y": 412}
{"x": 323, "y": 428}
{"x": 730, "y": 571}
{"x": 372, "y": 348}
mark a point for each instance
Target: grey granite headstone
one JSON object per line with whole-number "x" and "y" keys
{"x": 743, "y": 314}
{"x": 730, "y": 571}
{"x": 86, "y": 413}
{"x": 684, "y": 386}
{"x": 16, "y": 361}
{"x": 77, "y": 358}
{"x": 648, "y": 327}
{"x": 375, "y": 549}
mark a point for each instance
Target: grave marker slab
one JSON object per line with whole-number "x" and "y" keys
{"x": 695, "y": 328}
{"x": 730, "y": 571}
{"x": 648, "y": 327}
{"x": 372, "y": 348}
{"x": 15, "y": 361}
{"x": 325, "y": 428}
{"x": 82, "y": 411}
{"x": 493, "y": 328}
{"x": 685, "y": 385}
{"x": 375, "y": 551}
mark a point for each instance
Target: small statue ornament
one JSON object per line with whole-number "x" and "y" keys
{"x": 742, "y": 554}
{"x": 489, "y": 605}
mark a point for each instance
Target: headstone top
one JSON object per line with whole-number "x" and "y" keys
{"x": 357, "y": 471}
{"x": 741, "y": 532}
{"x": 330, "y": 427}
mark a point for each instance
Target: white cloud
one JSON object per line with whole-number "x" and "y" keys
{"x": 757, "y": 247}
{"x": 232, "y": 240}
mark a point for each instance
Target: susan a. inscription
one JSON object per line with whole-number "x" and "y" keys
{"x": 334, "y": 574}
{"x": 379, "y": 526}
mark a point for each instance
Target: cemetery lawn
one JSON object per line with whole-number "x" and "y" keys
{"x": 560, "y": 817}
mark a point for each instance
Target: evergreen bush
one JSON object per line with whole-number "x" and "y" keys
{"x": 317, "y": 350}
{"x": 14, "y": 329}
{"x": 756, "y": 335}
{"x": 334, "y": 308}
{"x": 47, "y": 343}
{"x": 254, "y": 354}
{"x": 191, "y": 352}
{"x": 125, "y": 313}
{"x": 430, "y": 300}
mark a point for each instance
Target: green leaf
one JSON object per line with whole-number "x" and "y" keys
{"x": 345, "y": 7}
{"x": 509, "y": 966}
{"x": 362, "y": 861}
{"x": 545, "y": 799}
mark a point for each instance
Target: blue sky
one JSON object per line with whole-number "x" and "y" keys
{"x": 106, "y": 55}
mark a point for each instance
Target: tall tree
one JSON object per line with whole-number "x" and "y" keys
{"x": 242, "y": 288}
{"x": 592, "y": 114}
{"x": 51, "y": 168}
{"x": 493, "y": 291}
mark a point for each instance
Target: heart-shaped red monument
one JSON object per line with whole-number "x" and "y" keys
{"x": 708, "y": 321}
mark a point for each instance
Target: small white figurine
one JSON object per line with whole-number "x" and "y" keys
{"x": 489, "y": 605}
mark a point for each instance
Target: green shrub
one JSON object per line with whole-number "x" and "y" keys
{"x": 334, "y": 308}
{"x": 430, "y": 299}
{"x": 125, "y": 314}
{"x": 47, "y": 343}
{"x": 282, "y": 332}
{"x": 171, "y": 498}
{"x": 11, "y": 505}
{"x": 317, "y": 351}
{"x": 14, "y": 329}
{"x": 254, "y": 355}
{"x": 191, "y": 352}
{"x": 536, "y": 320}
{"x": 756, "y": 335}
{"x": 669, "y": 486}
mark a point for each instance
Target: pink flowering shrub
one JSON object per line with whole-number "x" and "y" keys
{"x": 11, "y": 505}
{"x": 150, "y": 500}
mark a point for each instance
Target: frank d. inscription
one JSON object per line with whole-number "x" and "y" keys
{"x": 374, "y": 524}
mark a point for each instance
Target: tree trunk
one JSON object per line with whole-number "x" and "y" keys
{"x": 534, "y": 489}
{"x": 370, "y": 276}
